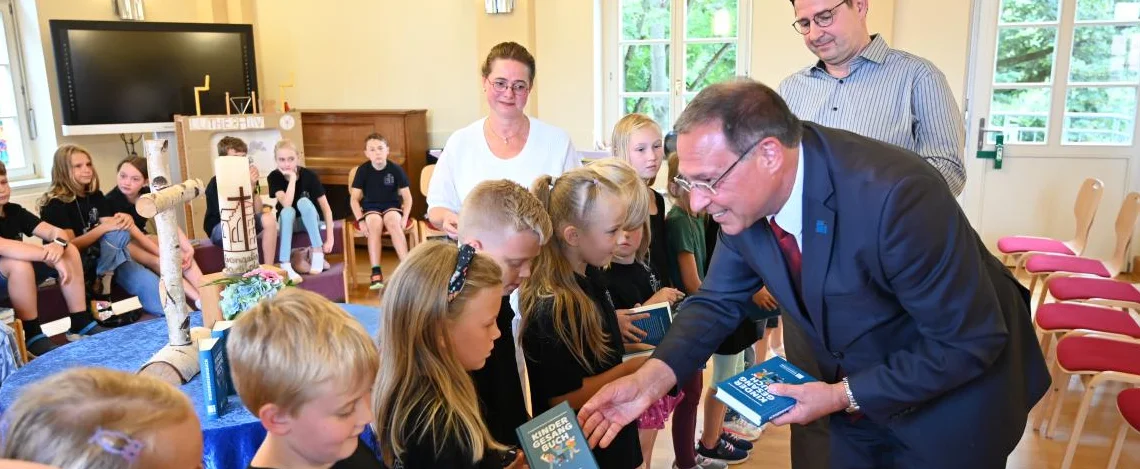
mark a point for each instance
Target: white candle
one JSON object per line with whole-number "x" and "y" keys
{"x": 235, "y": 201}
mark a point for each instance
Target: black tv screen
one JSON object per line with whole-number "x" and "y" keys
{"x": 124, "y": 72}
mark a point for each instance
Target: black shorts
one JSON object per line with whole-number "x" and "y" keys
{"x": 381, "y": 208}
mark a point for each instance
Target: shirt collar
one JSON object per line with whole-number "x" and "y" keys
{"x": 790, "y": 216}
{"x": 875, "y": 52}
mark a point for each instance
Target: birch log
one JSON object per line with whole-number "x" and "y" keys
{"x": 169, "y": 251}
{"x": 150, "y": 205}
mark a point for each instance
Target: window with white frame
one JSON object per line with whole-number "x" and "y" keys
{"x": 660, "y": 53}
{"x": 14, "y": 108}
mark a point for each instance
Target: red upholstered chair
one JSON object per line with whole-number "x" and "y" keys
{"x": 1104, "y": 291}
{"x": 1097, "y": 358}
{"x": 1088, "y": 200}
{"x": 1128, "y": 403}
{"x": 1041, "y": 265}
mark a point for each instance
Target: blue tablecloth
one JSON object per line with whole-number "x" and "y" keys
{"x": 230, "y": 441}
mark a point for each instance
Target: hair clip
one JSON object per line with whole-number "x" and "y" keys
{"x": 459, "y": 277}
{"x": 117, "y": 443}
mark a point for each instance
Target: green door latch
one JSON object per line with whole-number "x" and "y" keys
{"x": 996, "y": 153}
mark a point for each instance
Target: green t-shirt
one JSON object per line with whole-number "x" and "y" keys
{"x": 686, "y": 234}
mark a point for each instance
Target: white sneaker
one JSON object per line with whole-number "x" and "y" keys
{"x": 743, "y": 429}
{"x": 705, "y": 463}
{"x": 288, "y": 268}
{"x": 317, "y": 261}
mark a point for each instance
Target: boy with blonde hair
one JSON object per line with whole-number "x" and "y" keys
{"x": 305, "y": 368}
{"x": 505, "y": 221}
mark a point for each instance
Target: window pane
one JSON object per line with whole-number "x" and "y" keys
{"x": 1119, "y": 10}
{"x": 3, "y": 50}
{"x": 1025, "y": 55}
{"x": 1100, "y": 115}
{"x": 11, "y": 146}
{"x": 1022, "y": 113}
{"x": 7, "y": 92}
{"x": 706, "y": 64}
{"x": 1028, "y": 11}
{"x": 656, "y": 107}
{"x": 710, "y": 18}
{"x": 645, "y": 19}
{"x": 1106, "y": 53}
{"x": 646, "y": 67}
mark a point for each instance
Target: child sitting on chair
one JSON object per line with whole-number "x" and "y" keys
{"x": 380, "y": 201}
{"x": 99, "y": 418}
{"x": 264, "y": 222}
{"x": 305, "y": 367}
{"x": 23, "y": 266}
{"x": 296, "y": 188}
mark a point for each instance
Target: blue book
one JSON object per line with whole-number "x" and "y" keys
{"x": 215, "y": 381}
{"x": 221, "y": 331}
{"x": 747, "y": 393}
{"x": 657, "y": 324}
{"x": 555, "y": 440}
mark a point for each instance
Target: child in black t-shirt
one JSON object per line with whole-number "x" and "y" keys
{"x": 23, "y": 266}
{"x": 133, "y": 182}
{"x": 438, "y": 325}
{"x": 297, "y": 189}
{"x": 570, "y": 333}
{"x": 75, "y": 204}
{"x": 380, "y": 201}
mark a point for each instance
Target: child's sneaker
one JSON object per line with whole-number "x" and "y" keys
{"x": 724, "y": 451}
{"x": 377, "y": 282}
{"x": 704, "y": 463}
{"x": 293, "y": 275}
{"x": 737, "y": 441}
{"x": 742, "y": 429}
{"x": 91, "y": 329}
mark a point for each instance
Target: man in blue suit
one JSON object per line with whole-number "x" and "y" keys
{"x": 927, "y": 356}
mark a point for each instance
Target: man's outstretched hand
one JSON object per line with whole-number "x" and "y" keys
{"x": 624, "y": 400}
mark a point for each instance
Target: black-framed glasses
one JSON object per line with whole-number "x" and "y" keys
{"x": 519, "y": 87}
{"x": 710, "y": 187}
{"x": 822, "y": 19}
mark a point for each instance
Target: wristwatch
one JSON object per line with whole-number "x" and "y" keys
{"x": 61, "y": 242}
{"x": 853, "y": 406}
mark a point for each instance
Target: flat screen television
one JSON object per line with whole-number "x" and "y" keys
{"x": 122, "y": 77}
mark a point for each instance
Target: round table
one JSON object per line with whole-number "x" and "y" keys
{"x": 230, "y": 440}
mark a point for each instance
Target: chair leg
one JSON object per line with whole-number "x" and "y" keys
{"x": 1033, "y": 282}
{"x": 350, "y": 253}
{"x": 1078, "y": 426}
{"x": 1047, "y": 400}
{"x": 1118, "y": 446}
{"x": 1044, "y": 295}
{"x": 1058, "y": 390}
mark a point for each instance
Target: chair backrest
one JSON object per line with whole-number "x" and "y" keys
{"x": 1125, "y": 225}
{"x": 425, "y": 178}
{"x": 1088, "y": 201}
{"x": 351, "y": 176}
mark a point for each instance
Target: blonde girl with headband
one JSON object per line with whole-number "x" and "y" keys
{"x": 439, "y": 324}
{"x": 570, "y": 335}
{"x": 97, "y": 418}
{"x": 637, "y": 139}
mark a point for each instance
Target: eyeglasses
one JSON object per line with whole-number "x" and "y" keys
{"x": 822, "y": 19}
{"x": 519, "y": 87}
{"x": 710, "y": 187}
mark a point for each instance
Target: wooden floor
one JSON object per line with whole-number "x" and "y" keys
{"x": 1034, "y": 451}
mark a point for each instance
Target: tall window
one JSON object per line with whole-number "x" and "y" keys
{"x": 662, "y": 52}
{"x": 14, "y": 131}
{"x": 1090, "y": 85}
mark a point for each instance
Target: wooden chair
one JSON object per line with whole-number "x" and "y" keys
{"x": 1041, "y": 265}
{"x": 1088, "y": 201}
{"x": 1128, "y": 403}
{"x": 352, "y": 233}
{"x": 425, "y": 229}
{"x": 18, "y": 326}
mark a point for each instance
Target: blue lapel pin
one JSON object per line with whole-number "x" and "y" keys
{"x": 820, "y": 227}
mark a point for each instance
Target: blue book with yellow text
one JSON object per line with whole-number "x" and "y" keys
{"x": 747, "y": 393}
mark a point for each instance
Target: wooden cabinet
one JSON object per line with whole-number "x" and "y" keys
{"x": 334, "y": 144}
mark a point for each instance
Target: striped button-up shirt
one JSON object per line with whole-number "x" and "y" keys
{"x": 889, "y": 95}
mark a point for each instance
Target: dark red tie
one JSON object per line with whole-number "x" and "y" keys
{"x": 791, "y": 251}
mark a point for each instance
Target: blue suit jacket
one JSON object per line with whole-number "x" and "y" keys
{"x": 898, "y": 290}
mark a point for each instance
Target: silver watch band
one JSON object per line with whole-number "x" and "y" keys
{"x": 853, "y": 405}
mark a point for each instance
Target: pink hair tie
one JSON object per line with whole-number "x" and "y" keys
{"x": 117, "y": 443}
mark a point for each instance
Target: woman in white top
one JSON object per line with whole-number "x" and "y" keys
{"x": 507, "y": 144}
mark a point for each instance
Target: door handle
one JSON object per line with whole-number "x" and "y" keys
{"x": 997, "y": 153}
{"x": 983, "y": 131}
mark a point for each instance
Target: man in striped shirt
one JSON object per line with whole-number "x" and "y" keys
{"x": 863, "y": 86}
